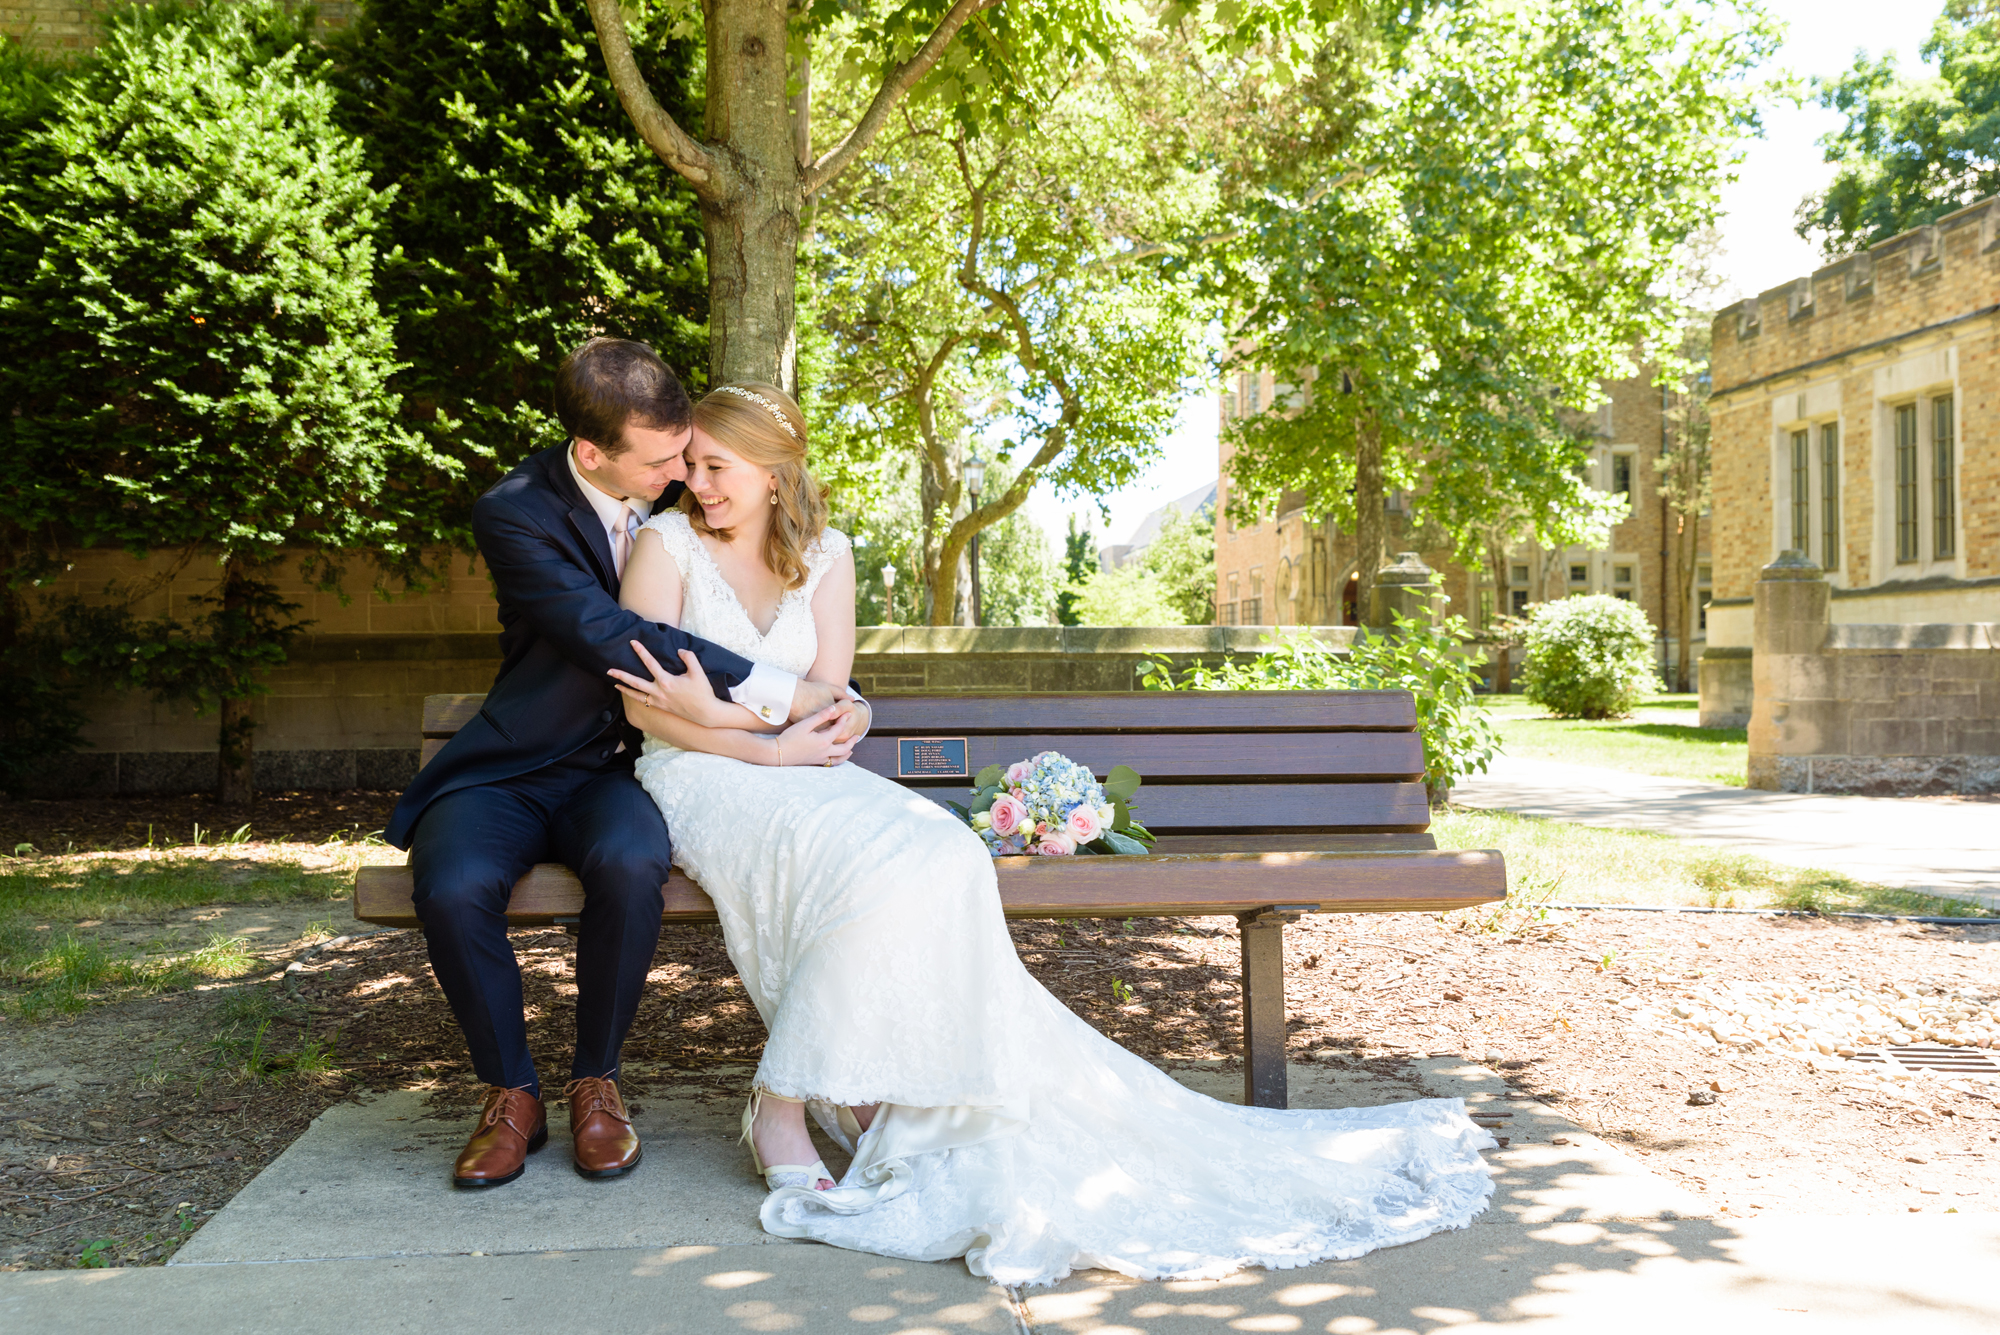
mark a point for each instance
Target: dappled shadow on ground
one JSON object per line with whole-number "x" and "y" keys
{"x": 1682, "y": 732}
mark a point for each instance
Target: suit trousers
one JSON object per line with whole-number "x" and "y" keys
{"x": 472, "y": 845}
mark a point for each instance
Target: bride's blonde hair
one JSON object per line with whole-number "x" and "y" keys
{"x": 744, "y": 418}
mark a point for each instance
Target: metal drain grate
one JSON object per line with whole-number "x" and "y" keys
{"x": 1932, "y": 1057}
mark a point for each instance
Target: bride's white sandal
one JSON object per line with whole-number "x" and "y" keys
{"x": 781, "y": 1174}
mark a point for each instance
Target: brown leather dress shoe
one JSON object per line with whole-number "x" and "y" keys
{"x": 605, "y": 1145}
{"x": 512, "y": 1126}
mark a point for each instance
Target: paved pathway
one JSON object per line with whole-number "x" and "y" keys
{"x": 1580, "y": 1239}
{"x": 1948, "y": 848}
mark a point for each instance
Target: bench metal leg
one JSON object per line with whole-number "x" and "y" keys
{"x": 1264, "y": 1004}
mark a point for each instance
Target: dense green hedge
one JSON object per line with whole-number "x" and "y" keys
{"x": 523, "y": 217}
{"x": 258, "y": 292}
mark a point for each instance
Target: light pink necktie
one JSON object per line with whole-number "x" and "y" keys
{"x": 621, "y": 543}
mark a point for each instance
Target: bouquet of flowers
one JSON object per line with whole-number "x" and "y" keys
{"x": 1052, "y": 806}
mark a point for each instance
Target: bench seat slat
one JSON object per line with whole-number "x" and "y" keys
{"x": 1156, "y": 885}
{"x": 1149, "y": 711}
{"x": 1260, "y": 757}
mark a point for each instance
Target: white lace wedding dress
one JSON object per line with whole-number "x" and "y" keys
{"x": 865, "y": 922}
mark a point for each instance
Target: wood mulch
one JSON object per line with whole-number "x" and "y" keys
{"x": 98, "y": 1144}
{"x": 88, "y": 826}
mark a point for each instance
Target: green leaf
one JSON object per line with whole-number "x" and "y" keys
{"x": 961, "y": 812}
{"x": 983, "y": 801}
{"x": 1121, "y": 814}
{"x": 1121, "y": 783}
{"x": 1115, "y": 842}
{"x": 990, "y": 776}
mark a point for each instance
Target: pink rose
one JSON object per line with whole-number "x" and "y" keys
{"x": 1084, "y": 824}
{"x": 1017, "y": 774}
{"x": 1019, "y": 795}
{"x": 1056, "y": 844}
{"x": 1007, "y": 813}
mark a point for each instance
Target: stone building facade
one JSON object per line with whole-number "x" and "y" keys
{"x": 1295, "y": 568}
{"x": 1854, "y": 420}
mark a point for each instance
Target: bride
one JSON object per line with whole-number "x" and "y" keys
{"x": 985, "y": 1119}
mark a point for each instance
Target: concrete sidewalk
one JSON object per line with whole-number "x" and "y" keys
{"x": 1945, "y": 848}
{"x": 345, "y": 1235}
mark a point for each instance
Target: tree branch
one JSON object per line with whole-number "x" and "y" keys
{"x": 896, "y": 85}
{"x": 655, "y": 126}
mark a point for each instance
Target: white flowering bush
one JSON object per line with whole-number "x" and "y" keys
{"x": 1588, "y": 657}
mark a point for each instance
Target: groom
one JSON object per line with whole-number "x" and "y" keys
{"x": 544, "y": 771}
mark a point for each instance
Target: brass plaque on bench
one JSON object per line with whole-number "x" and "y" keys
{"x": 931, "y": 758}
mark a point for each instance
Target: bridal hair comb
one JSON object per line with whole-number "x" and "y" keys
{"x": 761, "y": 401}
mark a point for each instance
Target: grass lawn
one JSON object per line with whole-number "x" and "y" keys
{"x": 1577, "y": 864}
{"x": 1660, "y": 738}
{"x": 64, "y": 920}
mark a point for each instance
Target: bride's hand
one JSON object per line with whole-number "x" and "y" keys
{"x": 815, "y": 740}
{"x": 684, "y": 694}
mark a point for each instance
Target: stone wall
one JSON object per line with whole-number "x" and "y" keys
{"x": 71, "y": 25}
{"x": 1881, "y": 709}
{"x": 344, "y": 712}
{"x": 1726, "y": 687}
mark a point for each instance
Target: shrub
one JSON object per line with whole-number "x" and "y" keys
{"x": 1588, "y": 657}
{"x": 191, "y": 356}
{"x": 523, "y": 217}
{"x": 1417, "y": 657}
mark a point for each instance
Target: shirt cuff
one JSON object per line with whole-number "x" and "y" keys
{"x": 767, "y": 693}
{"x": 855, "y": 696}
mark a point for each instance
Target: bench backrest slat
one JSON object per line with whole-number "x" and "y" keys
{"x": 1186, "y": 757}
{"x": 1150, "y": 711}
{"x": 1310, "y": 766}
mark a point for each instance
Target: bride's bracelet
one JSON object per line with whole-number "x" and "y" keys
{"x": 778, "y": 748}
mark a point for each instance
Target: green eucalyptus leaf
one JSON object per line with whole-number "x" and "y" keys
{"x": 990, "y": 777}
{"x": 1121, "y": 783}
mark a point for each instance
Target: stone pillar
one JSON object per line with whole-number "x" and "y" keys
{"x": 1409, "y": 587}
{"x": 1787, "y": 667}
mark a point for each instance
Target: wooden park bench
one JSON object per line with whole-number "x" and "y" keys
{"x": 1267, "y": 805}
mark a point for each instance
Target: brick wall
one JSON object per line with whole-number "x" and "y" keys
{"x": 1295, "y": 568}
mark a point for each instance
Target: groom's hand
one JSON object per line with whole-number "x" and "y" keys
{"x": 850, "y": 720}
{"x": 810, "y": 697}
{"x": 684, "y": 694}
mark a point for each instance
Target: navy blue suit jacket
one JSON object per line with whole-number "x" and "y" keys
{"x": 560, "y": 628}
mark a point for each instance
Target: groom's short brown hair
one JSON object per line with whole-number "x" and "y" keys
{"x": 609, "y": 384}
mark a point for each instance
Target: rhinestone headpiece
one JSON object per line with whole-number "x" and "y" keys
{"x": 762, "y": 402}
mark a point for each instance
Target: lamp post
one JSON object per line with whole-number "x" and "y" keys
{"x": 889, "y": 592}
{"x": 975, "y": 477}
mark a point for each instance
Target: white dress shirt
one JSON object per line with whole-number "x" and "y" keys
{"x": 767, "y": 692}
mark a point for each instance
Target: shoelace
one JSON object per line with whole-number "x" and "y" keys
{"x": 598, "y": 1096}
{"x": 496, "y": 1103}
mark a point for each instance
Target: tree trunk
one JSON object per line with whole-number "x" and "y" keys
{"x": 753, "y": 229}
{"x": 236, "y": 740}
{"x": 1371, "y": 519}
{"x": 948, "y": 577}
